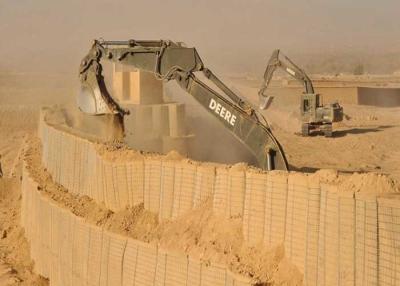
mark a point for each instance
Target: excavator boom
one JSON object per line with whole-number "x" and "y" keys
{"x": 278, "y": 59}
{"x": 314, "y": 115}
{"x": 172, "y": 61}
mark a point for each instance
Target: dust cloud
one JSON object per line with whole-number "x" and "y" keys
{"x": 232, "y": 36}
{"x": 106, "y": 127}
{"x": 44, "y": 41}
{"x": 213, "y": 141}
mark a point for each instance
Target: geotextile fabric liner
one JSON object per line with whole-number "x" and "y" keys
{"x": 334, "y": 238}
{"x": 204, "y": 187}
{"x": 166, "y": 187}
{"x": 183, "y": 190}
{"x": 366, "y": 258}
{"x": 229, "y": 192}
{"x": 254, "y": 207}
{"x": 389, "y": 241}
{"x": 69, "y": 251}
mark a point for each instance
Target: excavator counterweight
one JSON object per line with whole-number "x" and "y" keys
{"x": 173, "y": 61}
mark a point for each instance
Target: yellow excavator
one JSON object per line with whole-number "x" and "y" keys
{"x": 174, "y": 61}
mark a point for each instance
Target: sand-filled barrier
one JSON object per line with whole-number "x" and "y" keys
{"x": 338, "y": 230}
{"x": 70, "y": 251}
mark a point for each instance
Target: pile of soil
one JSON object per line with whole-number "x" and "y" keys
{"x": 372, "y": 183}
{"x": 200, "y": 233}
{"x": 16, "y": 266}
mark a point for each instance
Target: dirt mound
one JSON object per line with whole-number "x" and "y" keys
{"x": 15, "y": 123}
{"x": 211, "y": 238}
{"x": 117, "y": 151}
{"x": 16, "y": 267}
{"x": 373, "y": 183}
{"x": 7, "y": 275}
{"x": 199, "y": 233}
{"x": 369, "y": 183}
{"x": 173, "y": 155}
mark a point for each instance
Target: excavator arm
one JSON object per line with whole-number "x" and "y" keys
{"x": 172, "y": 61}
{"x": 278, "y": 59}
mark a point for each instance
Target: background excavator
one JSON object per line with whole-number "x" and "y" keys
{"x": 314, "y": 115}
{"x": 173, "y": 61}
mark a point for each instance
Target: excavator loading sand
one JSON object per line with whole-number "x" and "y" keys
{"x": 173, "y": 61}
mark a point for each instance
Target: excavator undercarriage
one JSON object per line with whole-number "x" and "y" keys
{"x": 173, "y": 61}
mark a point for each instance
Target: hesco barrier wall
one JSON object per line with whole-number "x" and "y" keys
{"x": 69, "y": 251}
{"x": 335, "y": 238}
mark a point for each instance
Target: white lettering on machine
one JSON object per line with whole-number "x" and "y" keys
{"x": 222, "y": 112}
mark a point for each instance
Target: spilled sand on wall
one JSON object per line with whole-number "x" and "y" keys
{"x": 199, "y": 233}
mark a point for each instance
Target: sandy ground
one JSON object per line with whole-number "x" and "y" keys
{"x": 16, "y": 268}
{"x": 367, "y": 141}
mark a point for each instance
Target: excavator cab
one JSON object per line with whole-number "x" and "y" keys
{"x": 309, "y": 104}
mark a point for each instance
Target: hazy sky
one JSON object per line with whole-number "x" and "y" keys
{"x": 50, "y": 34}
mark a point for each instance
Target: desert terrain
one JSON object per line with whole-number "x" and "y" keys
{"x": 18, "y": 124}
{"x": 366, "y": 142}
{"x": 363, "y": 142}
{"x": 157, "y": 191}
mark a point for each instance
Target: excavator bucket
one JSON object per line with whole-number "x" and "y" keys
{"x": 265, "y": 101}
{"x": 91, "y": 97}
{"x": 88, "y": 100}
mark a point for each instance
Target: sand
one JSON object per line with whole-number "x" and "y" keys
{"x": 367, "y": 143}
{"x": 199, "y": 233}
{"x": 16, "y": 267}
{"x": 373, "y": 183}
{"x": 368, "y": 139}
